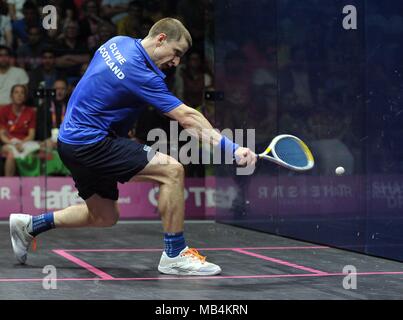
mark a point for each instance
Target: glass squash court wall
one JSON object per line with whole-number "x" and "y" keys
{"x": 289, "y": 66}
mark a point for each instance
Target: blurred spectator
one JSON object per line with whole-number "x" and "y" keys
{"x": 131, "y": 24}
{"x": 209, "y": 35}
{"x": 6, "y": 31}
{"x": 114, "y": 10}
{"x": 90, "y": 19}
{"x": 104, "y": 33}
{"x": 191, "y": 79}
{"x": 83, "y": 68}
{"x": 15, "y": 8}
{"x": 51, "y": 116}
{"x": 65, "y": 11}
{"x": 71, "y": 86}
{"x": 296, "y": 81}
{"x": 263, "y": 112}
{"x": 9, "y": 75}
{"x": 17, "y": 129}
{"x": 29, "y": 54}
{"x": 156, "y": 10}
{"x": 331, "y": 129}
{"x": 145, "y": 27}
{"x": 45, "y": 74}
{"x": 235, "y": 81}
{"x": 71, "y": 52}
{"x": 30, "y": 19}
{"x": 194, "y": 19}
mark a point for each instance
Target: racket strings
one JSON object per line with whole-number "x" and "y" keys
{"x": 292, "y": 152}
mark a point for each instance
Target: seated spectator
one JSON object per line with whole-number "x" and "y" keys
{"x": 83, "y": 68}
{"x": 29, "y": 54}
{"x": 6, "y": 31}
{"x": 114, "y": 10}
{"x": 71, "y": 85}
{"x": 146, "y": 25}
{"x": 31, "y": 18}
{"x": 17, "y": 129}
{"x": 63, "y": 14}
{"x": 131, "y": 24}
{"x": 50, "y": 116}
{"x": 155, "y": 10}
{"x": 15, "y": 9}
{"x": 191, "y": 79}
{"x": 9, "y": 75}
{"x": 90, "y": 20}
{"x": 71, "y": 52}
{"x": 45, "y": 74}
{"x": 104, "y": 33}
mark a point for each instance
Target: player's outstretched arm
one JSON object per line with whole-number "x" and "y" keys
{"x": 199, "y": 126}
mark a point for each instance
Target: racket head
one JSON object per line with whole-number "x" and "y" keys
{"x": 291, "y": 152}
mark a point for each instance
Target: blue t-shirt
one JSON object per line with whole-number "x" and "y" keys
{"x": 119, "y": 82}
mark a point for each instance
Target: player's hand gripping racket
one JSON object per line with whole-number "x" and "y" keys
{"x": 290, "y": 152}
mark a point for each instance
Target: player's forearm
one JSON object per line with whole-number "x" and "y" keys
{"x": 198, "y": 125}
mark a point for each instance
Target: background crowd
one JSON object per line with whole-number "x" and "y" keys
{"x": 40, "y": 68}
{"x": 281, "y": 74}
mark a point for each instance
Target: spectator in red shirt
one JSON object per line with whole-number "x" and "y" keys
{"x": 17, "y": 129}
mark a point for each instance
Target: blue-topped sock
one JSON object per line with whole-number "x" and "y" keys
{"x": 42, "y": 223}
{"x": 174, "y": 243}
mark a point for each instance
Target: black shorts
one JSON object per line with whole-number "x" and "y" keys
{"x": 97, "y": 168}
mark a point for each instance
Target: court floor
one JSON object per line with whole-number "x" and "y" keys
{"x": 121, "y": 263}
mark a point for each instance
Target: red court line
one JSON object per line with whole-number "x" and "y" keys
{"x": 84, "y": 264}
{"x": 264, "y": 276}
{"x": 205, "y": 249}
{"x": 308, "y": 275}
{"x": 41, "y": 279}
{"x": 278, "y": 261}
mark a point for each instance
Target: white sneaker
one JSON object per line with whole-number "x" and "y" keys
{"x": 189, "y": 262}
{"x": 20, "y": 238}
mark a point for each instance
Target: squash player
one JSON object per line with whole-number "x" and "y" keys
{"x": 123, "y": 76}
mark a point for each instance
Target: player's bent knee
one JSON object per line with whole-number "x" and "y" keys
{"x": 175, "y": 172}
{"x": 104, "y": 221}
{"x": 104, "y": 218}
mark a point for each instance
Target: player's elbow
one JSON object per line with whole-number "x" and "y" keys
{"x": 184, "y": 115}
{"x": 187, "y": 122}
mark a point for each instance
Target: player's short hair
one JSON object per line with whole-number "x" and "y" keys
{"x": 173, "y": 28}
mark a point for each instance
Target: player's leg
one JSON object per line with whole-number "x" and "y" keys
{"x": 177, "y": 257}
{"x": 95, "y": 185}
{"x": 96, "y": 212}
{"x": 169, "y": 173}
